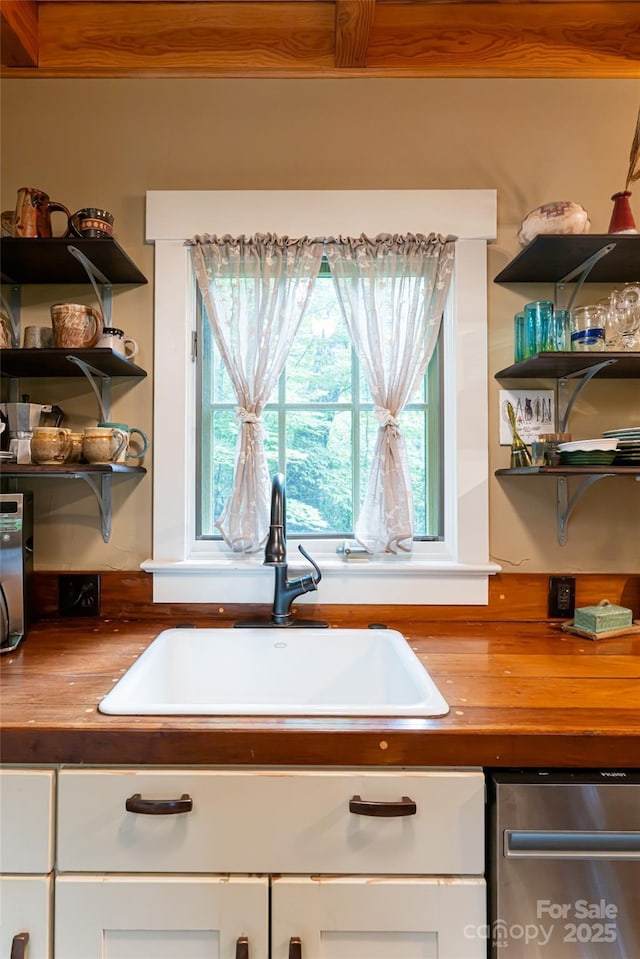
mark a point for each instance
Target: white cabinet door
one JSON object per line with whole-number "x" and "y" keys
{"x": 26, "y": 820}
{"x": 378, "y": 918}
{"x": 160, "y": 917}
{"x": 25, "y": 907}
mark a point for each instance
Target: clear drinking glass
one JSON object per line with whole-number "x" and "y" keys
{"x": 560, "y": 330}
{"x": 628, "y": 307}
{"x": 587, "y": 328}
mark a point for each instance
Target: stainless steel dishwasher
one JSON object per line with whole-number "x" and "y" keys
{"x": 564, "y": 864}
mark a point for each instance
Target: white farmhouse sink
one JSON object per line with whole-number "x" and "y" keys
{"x": 276, "y": 672}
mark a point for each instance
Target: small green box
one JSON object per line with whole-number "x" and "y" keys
{"x": 604, "y": 616}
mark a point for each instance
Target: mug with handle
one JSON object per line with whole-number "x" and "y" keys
{"x": 103, "y": 444}
{"x": 75, "y": 326}
{"x": 33, "y": 213}
{"x": 115, "y": 339}
{"x": 91, "y": 222}
{"x": 126, "y": 453}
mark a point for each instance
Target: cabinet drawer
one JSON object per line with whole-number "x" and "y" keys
{"x": 272, "y": 821}
{"x": 26, "y": 820}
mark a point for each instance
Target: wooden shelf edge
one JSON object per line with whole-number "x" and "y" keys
{"x": 67, "y": 469}
{"x": 561, "y": 364}
{"x": 27, "y": 362}
{"x": 570, "y": 471}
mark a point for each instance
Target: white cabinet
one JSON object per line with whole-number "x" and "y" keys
{"x": 161, "y": 917}
{"x": 26, "y": 862}
{"x": 226, "y": 863}
{"x": 352, "y": 864}
{"x": 359, "y": 917}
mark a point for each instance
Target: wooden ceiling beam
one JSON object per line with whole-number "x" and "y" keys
{"x": 322, "y": 38}
{"x": 527, "y": 38}
{"x": 19, "y": 26}
{"x": 353, "y": 26}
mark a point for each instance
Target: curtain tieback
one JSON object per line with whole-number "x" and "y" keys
{"x": 246, "y": 416}
{"x": 386, "y": 418}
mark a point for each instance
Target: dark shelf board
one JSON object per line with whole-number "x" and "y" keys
{"x": 548, "y": 259}
{"x": 28, "y": 362}
{"x": 571, "y": 471}
{"x": 66, "y": 469}
{"x": 557, "y": 365}
{"x": 35, "y": 260}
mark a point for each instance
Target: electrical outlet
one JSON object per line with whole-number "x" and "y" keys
{"x": 562, "y": 597}
{"x": 79, "y": 594}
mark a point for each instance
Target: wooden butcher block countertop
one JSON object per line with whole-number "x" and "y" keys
{"x": 521, "y": 694}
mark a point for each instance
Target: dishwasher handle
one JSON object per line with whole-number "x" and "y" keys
{"x": 571, "y": 844}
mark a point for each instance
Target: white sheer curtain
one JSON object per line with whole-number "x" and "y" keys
{"x": 255, "y": 290}
{"x": 391, "y": 291}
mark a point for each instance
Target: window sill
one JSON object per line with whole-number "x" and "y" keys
{"x": 357, "y": 582}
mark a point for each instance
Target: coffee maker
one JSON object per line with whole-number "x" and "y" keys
{"x": 21, "y": 419}
{"x": 16, "y": 566}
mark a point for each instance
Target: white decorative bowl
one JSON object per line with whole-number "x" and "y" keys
{"x": 589, "y": 446}
{"x": 561, "y": 216}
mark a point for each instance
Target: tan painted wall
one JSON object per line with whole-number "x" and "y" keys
{"x": 105, "y": 142}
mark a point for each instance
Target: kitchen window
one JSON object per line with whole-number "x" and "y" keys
{"x": 319, "y": 426}
{"x": 448, "y": 566}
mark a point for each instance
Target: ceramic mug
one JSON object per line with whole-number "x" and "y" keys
{"x": 37, "y": 338}
{"x": 33, "y": 213}
{"x": 74, "y": 454}
{"x": 103, "y": 444}
{"x": 8, "y": 222}
{"x": 126, "y": 453}
{"x": 114, "y": 339}
{"x": 6, "y": 336}
{"x": 92, "y": 222}
{"x": 50, "y": 444}
{"x": 75, "y": 326}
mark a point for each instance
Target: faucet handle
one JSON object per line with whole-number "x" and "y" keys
{"x": 318, "y": 575}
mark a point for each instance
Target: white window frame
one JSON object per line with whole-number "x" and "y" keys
{"x": 451, "y": 572}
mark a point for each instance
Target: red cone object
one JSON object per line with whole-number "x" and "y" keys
{"x": 622, "y": 218}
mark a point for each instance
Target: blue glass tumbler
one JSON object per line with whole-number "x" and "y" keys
{"x": 519, "y": 338}
{"x": 539, "y": 314}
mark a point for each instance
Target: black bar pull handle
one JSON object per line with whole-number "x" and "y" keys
{"x": 367, "y": 807}
{"x": 295, "y": 948}
{"x": 242, "y": 948}
{"x": 19, "y": 946}
{"x": 158, "y": 807}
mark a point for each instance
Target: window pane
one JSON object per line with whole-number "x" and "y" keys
{"x": 216, "y": 382}
{"x": 224, "y": 436}
{"x": 319, "y": 366}
{"x": 319, "y": 472}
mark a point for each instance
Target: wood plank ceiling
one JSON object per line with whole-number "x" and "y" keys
{"x": 320, "y": 38}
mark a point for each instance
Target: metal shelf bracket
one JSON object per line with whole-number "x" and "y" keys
{"x": 101, "y": 489}
{"x": 565, "y": 504}
{"x": 105, "y": 298}
{"x": 12, "y": 309}
{"x": 566, "y": 402}
{"x": 581, "y": 272}
{"x": 103, "y": 395}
